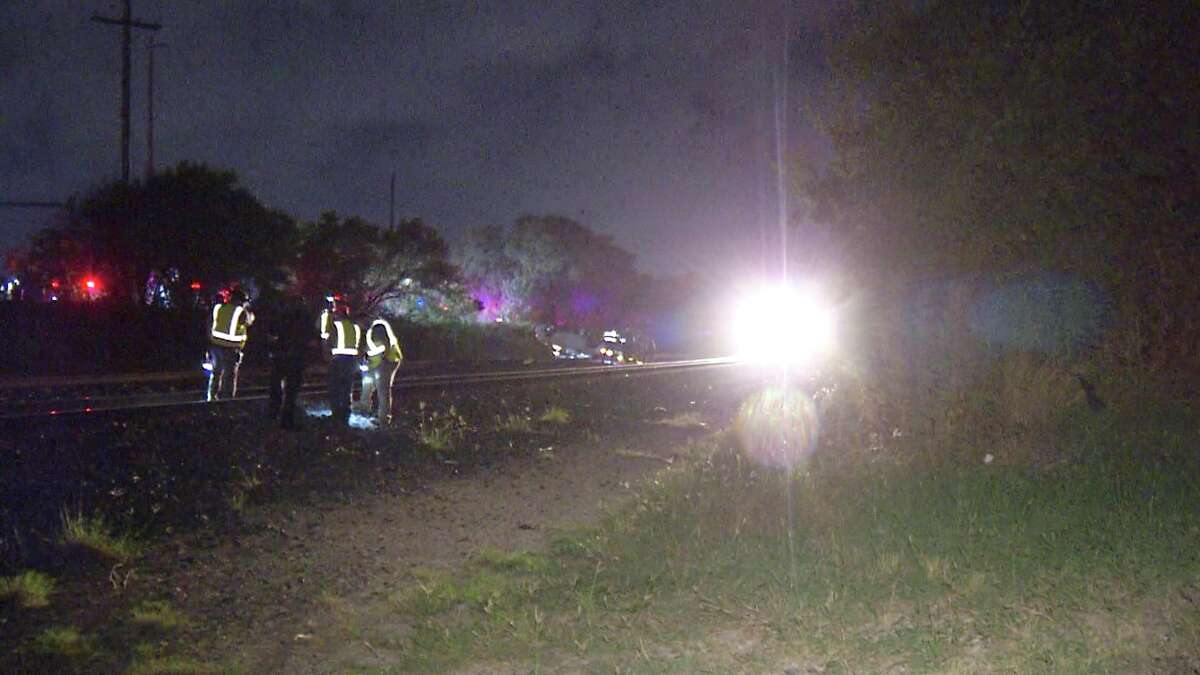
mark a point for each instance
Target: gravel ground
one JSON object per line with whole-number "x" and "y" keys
{"x": 262, "y": 537}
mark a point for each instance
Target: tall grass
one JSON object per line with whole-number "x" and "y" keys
{"x": 94, "y": 533}
{"x": 1082, "y": 567}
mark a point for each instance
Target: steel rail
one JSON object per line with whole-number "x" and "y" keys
{"x": 32, "y": 410}
{"x": 57, "y": 381}
{"x": 251, "y": 381}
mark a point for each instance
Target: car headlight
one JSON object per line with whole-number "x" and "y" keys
{"x": 783, "y": 326}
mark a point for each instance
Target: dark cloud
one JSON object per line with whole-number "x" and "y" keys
{"x": 648, "y": 121}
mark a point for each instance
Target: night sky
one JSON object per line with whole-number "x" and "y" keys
{"x": 652, "y": 122}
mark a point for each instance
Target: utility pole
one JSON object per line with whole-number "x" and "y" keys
{"x": 151, "y": 45}
{"x": 127, "y": 24}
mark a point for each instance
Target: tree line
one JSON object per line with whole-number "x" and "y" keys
{"x": 1010, "y": 142}
{"x": 191, "y": 229}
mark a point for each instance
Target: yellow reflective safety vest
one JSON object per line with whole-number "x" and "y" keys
{"x": 228, "y": 325}
{"x": 382, "y": 344}
{"x": 323, "y": 324}
{"x": 345, "y": 338}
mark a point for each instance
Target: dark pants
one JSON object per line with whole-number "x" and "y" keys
{"x": 286, "y": 378}
{"x": 343, "y": 370}
{"x": 222, "y": 381}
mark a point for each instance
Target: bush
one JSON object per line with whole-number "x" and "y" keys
{"x": 461, "y": 341}
{"x": 919, "y": 372}
{"x": 96, "y": 338}
{"x": 47, "y": 339}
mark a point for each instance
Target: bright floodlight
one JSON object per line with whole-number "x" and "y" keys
{"x": 783, "y": 326}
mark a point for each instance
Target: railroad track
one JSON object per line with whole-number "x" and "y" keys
{"x": 34, "y": 409}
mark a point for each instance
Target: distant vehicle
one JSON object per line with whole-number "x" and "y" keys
{"x": 616, "y": 348}
{"x": 568, "y": 345}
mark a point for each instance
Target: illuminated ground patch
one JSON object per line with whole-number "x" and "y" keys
{"x": 357, "y": 420}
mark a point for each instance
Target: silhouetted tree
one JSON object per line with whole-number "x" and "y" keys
{"x": 378, "y": 268}
{"x": 551, "y": 269}
{"x": 191, "y": 218}
{"x": 1003, "y": 138}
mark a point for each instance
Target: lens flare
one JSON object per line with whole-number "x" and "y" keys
{"x": 778, "y": 427}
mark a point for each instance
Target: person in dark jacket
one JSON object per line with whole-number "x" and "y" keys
{"x": 289, "y": 339}
{"x": 344, "y": 347}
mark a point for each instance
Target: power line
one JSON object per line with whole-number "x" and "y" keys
{"x": 32, "y": 205}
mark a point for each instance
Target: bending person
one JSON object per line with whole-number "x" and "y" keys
{"x": 383, "y": 360}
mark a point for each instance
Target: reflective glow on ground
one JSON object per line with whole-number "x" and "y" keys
{"x": 778, "y": 427}
{"x": 357, "y": 420}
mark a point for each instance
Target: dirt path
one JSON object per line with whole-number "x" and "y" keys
{"x": 276, "y": 600}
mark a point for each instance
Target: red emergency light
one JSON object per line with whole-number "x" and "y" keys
{"x": 91, "y": 284}
{"x": 54, "y": 283}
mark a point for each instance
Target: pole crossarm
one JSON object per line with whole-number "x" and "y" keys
{"x": 132, "y": 22}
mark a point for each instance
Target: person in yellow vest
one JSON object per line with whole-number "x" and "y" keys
{"x": 383, "y": 357}
{"x": 344, "y": 344}
{"x": 227, "y": 338}
{"x": 324, "y": 322}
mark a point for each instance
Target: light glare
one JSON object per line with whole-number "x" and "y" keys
{"x": 780, "y": 325}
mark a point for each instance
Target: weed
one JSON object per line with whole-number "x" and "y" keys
{"x": 249, "y": 481}
{"x": 159, "y": 614}
{"x": 520, "y": 561}
{"x": 94, "y": 534}
{"x": 513, "y": 423}
{"x": 67, "y": 642}
{"x": 30, "y": 589}
{"x": 237, "y": 500}
{"x": 170, "y": 665}
{"x": 683, "y": 420}
{"x": 439, "y": 431}
{"x": 555, "y": 415}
